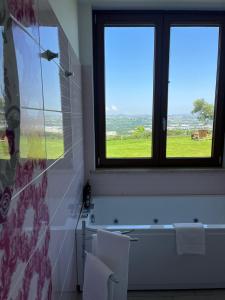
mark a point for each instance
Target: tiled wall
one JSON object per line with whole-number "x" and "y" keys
{"x": 41, "y": 154}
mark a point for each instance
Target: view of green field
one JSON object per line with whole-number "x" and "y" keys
{"x": 130, "y": 136}
{"x": 117, "y": 148}
{"x": 130, "y": 109}
{"x": 178, "y": 146}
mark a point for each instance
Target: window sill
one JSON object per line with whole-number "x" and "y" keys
{"x": 158, "y": 170}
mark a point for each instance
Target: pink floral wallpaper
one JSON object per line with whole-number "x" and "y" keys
{"x": 18, "y": 245}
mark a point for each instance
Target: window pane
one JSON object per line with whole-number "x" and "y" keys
{"x": 129, "y": 59}
{"x": 192, "y": 85}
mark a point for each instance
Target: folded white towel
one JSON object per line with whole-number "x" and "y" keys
{"x": 190, "y": 238}
{"x": 97, "y": 285}
{"x": 113, "y": 250}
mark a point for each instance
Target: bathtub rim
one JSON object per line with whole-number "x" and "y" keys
{"x": 165, "y": 228}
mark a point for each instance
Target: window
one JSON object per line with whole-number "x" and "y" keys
{"x": 159, "y": 92}
{"x": 192, "y": 76}
{"x": 129, "y": 91}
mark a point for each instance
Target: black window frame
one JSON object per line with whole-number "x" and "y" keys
{"x": 162, "y": 21}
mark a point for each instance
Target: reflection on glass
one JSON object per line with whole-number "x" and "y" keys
{"x": 54, "y": 134}
{"x": 51, "y": 86}
{"x": 49, "y": 29}
{"x": 4, "y": 151}
{"x": 29, "y": 71}
{"x": 192, "y": 83}
{"x": 32, "y": 138}
{"x": 50, "y": 71}
{"x": 49, "y": 38}
{"x": 129, "y": 58}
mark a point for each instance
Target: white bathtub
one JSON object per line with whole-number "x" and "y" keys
{"x": 154, "y": 263}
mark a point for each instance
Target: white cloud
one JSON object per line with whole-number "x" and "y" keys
{"x": 114, "y": 108}
{"x": 111, "y": 108}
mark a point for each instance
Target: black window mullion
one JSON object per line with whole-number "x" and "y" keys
{"x": 163, "y": 85}
{"x": 218, "y": 141}
{"x": 99, "y": 91}
{"x": 157, "y": 95}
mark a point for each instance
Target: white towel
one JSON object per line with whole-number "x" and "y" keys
{"x": 96, "y": 279}
{"x": 113, "y": 250}
{"x": 190, "y": 238}
{"x": 94, "y": 242}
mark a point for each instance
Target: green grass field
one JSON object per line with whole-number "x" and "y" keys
{"x": 177, "y": 146}
{"x": 36, "y": 148}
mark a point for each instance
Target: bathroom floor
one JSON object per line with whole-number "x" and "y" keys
{"x": 166, "y": 295}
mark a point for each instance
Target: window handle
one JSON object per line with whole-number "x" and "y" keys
{"x": 164, "y": 124}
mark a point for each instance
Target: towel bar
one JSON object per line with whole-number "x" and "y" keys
{"x": 131, "y": 239}
{"x": 122, "y": 232}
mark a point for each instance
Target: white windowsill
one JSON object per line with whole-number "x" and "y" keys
{"x": 157, "y": 170}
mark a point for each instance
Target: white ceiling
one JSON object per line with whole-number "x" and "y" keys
{"x": 157, "y": 4}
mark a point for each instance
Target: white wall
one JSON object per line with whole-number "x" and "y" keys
{"x": 66, "y": 12}
{"x": 157, "y": 4}
{"x": 132, "y": 182}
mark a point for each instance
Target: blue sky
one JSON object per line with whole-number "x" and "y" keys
{"x": 129, "y": 61}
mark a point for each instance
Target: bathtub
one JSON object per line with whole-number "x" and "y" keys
{"x": 154, "y": 263}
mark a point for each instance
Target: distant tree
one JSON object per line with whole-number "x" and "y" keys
{"x": 203, "y": 110}
{"x": 139, "y": 132}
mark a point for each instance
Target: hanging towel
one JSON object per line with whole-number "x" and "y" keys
{"x": 94, "y": 242}
{"x": 190, "y": 238}
{"x": 97, "y": 283}
{"x": 113, "y": 250}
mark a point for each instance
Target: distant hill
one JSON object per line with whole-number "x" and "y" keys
{"x": 125, "y": 124}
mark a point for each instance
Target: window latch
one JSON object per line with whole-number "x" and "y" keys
{"x": 164, "y": 124}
